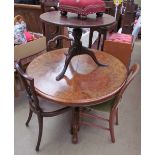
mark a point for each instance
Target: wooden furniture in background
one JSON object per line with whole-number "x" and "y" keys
{"x": 124, "y": 21}
{"x": 31, "y": 14}
{"x": 41, "y": 109}
{"x": 110, "y": 9}
{"x": 84, "y": 83}
{"x": 129, "y": 17}
{"x": 110, "y": 106}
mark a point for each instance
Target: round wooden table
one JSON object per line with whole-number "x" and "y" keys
{"x": 84, "y": 83}
{"x": 71, "y": 20}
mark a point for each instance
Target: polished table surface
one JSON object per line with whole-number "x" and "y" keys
{"x": 71, "y": 20}
{"x": 84, "y": 82}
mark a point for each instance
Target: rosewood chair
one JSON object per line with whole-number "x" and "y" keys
{"x": 41, "y": 109}
{"x": 110, "y": 106}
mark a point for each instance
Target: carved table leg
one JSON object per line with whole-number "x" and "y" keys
{"x": 75, "y": 125}
{"x": 77, "y": 49}
{"x": 92, "y": 55}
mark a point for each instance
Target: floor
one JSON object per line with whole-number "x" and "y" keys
{"x": 56, "y": 138}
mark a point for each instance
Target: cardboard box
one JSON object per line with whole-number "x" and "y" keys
{"x": 31, "y": 49}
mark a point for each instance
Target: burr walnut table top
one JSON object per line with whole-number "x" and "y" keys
{"x": 84, "y": 82}
{"x": 71, "y": 20}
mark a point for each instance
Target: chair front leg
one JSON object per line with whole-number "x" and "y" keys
{"x": 117, "y": 116}
{"x": 29, "y": 117}
{"x": 111, "y": 126}
{"x": 40, "y": 122}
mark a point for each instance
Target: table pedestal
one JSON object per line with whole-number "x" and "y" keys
{"x": 75, "y": 125}
{"x": 77, "y": 49}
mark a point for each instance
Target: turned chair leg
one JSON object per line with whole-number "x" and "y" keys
{"x": 111, "y": 127}
{"x": 90, "y": 38}
{"x": 40, "y": 122}
{"x": 99, "y": 39}
{"x": 117, "y": 116}
{"x": 29, "y": 117}
{"x": 104, "y": 38}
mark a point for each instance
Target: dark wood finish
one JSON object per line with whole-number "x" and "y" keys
{"x": 114, "y": 111}
{"x": 84, "y": 83}
{"x": 34, "y": 104}
{"x": 110, "y": 9}
{"x": 48, "y": 5}
{"x": 129, "y": 17}
{"x": 77, "y": 49}
{"x": 72, "y": 21}
{"x": 102, "y": 31}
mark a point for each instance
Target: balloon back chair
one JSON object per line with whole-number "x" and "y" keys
{"x": 41, "y": 109}
{"x": 110, "y": 106}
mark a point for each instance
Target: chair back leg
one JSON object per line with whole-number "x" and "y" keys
{"x": 98, "y": 43}
{"x": 90, "y": 37}
{"x": 111, "y": 125}
{"x": 117, "y": 116}
{"x": 40, "y": 122}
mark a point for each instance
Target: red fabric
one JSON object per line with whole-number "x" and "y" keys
{"x": 28, "y": 36}
{"x": 83, "y": 7}
{"x": 119, "y": 37}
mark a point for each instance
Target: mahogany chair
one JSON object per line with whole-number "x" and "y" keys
{"x": 110, "y": 106}
{"x": 110, "y": 9}
{"x": 41, "y": 109}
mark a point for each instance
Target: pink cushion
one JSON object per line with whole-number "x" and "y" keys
{"x": 83, "y": 7}
{"x": 120, "y": 37}
{"x": 28, "y": 36}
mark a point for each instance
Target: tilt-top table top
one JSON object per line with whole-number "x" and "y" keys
{"x": 71, "y": 20}
{"x": 84, "y": 83}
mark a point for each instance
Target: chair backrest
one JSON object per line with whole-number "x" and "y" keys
{"x": 129, "y": 17}
{"x": 48, "y": 5}
{"x": 131, "y": 74}
{"x": 29, "y": 87}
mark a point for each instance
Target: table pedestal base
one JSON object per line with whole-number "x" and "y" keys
{"x": 77, "y": 49}
{"x": 75, "y": 125}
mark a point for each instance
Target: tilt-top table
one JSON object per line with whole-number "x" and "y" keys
{"x": 83, "y": 84}
{"x": 72, "y": 21}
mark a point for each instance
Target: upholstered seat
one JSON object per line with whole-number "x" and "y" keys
{"x": 105, "y": 107}
{"x": 124, "y": 38}
{"x": 82, "y": 7}
{"x": 110, "y": 106}
{"x": 47, "y": 106}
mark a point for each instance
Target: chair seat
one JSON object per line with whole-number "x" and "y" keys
{"x": 47, "y": 106}
{"x": 106, "y": 106}
{"x": 82, "y": 7}
{"x": 120, "y": 37}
